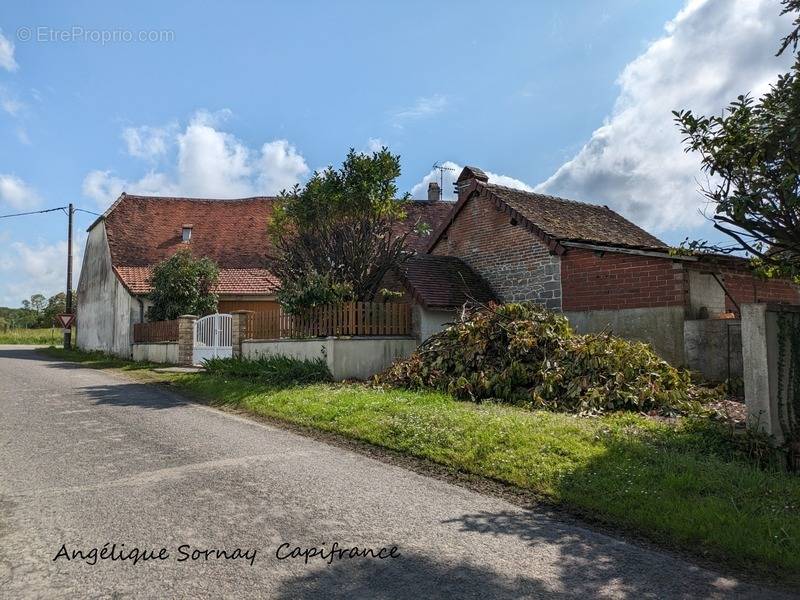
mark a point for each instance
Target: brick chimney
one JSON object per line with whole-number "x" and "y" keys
{"x": 467, "y": 176}
{"x": 434, "y": 192}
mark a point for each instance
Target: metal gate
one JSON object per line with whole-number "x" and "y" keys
{"x": 212, "y": 338}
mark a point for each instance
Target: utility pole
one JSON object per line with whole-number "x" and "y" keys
{"x": 68, "y": 332}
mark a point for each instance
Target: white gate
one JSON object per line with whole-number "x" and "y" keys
{"x": 212, "y": 338}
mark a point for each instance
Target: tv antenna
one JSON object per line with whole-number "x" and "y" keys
{"x": 442, "y": 169}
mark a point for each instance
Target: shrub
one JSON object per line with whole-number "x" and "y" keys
{"x": 272, "y": 370}
{"x": 524, "y": 354}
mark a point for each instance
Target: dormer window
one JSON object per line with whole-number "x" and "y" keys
{"x": 186, "y": 232}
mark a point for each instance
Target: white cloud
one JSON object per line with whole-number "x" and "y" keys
{"x": 713, "y": 51}
{"x": 280, "y": 167}
{"x": 424, "y": 106}
{"x": 209, "y": 163}
{"x": 148, "y": 142}
{"x": 11, "y": 105}
{"x": 16, "y": 193}
{"x": 37, "y": 268}
{"x": 453, "y": 170}
{"x": 7, "y": 60}
{"x": 375, "y": 144}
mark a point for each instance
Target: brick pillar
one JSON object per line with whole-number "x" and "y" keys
{"x": 186, "y": 339}
{"x": 239, "y": 330}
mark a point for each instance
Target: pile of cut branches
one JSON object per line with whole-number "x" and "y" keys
{"x": 524, "y": 354}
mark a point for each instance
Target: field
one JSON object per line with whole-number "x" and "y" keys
{"x": 46, "y": 336}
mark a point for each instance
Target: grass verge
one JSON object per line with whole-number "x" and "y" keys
{"x": 44, "y": 336}
{"x": 677, "y": 484}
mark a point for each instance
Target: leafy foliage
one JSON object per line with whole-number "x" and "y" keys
{"x": 752, "y": 156}
{"x": 337, "y": 236}
{"x": 524, "y": 354}
{"x": 183, "y": 285}
{"x": 271, "y": 370}
{"x": 37, "y": 312}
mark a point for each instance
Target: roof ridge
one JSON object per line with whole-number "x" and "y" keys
{"x": 192, "y": 199}
{"x": 552, "y": 197}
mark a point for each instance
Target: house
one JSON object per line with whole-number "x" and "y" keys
{"x": 604, "y": 272}
{"x": 138, "y": 232}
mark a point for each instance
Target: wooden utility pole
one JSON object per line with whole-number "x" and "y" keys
{"x": 68, "y": 332}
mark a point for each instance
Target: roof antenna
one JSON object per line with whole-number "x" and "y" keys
{"x": 442, "y": 169}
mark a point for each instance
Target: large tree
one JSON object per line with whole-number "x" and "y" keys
{"x": 338, "y": 235}
{"x": 183, "y": 284}
{"x": 751, "y": 154}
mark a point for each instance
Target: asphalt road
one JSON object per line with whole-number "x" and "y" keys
{"x": 88, "y": 458}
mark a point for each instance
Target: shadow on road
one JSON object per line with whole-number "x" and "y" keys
{"x": 409, "y": 577}
{"x": 588, "y": 568}
{"x": 132, "y": 394}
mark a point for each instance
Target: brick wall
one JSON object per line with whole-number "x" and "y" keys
{"x": 748, "y": 288}
{"x": 615, "y": 281}
{"x": 513, "y": 261}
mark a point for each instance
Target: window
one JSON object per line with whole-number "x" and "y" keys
{"x": 186, "y": 233}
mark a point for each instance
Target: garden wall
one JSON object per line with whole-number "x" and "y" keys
{"x": 156, "y": 352}
{"x": 713, "y": 346}
{"x": 347, "y": 358}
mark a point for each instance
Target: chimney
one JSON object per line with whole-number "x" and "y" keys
{"x": 434, "y": 192}
{"x": 467, "y": 177}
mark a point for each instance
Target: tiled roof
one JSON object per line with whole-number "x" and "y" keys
{"x": 422, "y": 211}
{"x": 244, "y": 282}
{"x": 144, "y": 230}
{"x": 568, "y": 220}
{"x": 443, "y": 281}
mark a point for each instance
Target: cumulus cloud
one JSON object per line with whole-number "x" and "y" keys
{"x": 209, "y": 162}
{"x": 424, "y": 106}
{"x": 16, "y": 193}
{"x": 7, "y": 60}
{"x": 451, "y": 173}
{"x": 712, "y": 51}
{"x": 37, "y": 268}
{"x": 148, "y": 142}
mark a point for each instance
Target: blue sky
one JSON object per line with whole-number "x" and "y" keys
{"x": 235, "y": 98}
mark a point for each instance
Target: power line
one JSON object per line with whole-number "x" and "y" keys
{"x": 47, "y": 210}
{"x": 33, "y": 212}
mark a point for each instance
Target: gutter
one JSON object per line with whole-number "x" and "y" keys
{"x": 634, "y": 251}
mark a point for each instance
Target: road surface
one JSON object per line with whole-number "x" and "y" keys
{"x": 89, "y": 459}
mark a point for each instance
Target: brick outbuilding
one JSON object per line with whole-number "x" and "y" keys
{"x": 601, "y": 270}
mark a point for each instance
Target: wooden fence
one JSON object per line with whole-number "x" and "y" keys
{"x": 156, "y": 331}
{"x": 350, "y": 318}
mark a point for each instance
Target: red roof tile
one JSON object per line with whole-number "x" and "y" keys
{"x": 144, "y": 230}
{"x": 443, "y": 282}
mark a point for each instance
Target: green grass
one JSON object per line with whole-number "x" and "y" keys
{"x": 45, "y": 336}
{"x": 681, "y": 485}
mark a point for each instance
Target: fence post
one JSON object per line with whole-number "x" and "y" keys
{"x": 186, "y": 339}
{"x": 239, "y": 330}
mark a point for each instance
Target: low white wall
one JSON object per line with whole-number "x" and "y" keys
{"x": 347, "y": 357}
{"x": 428, "y": 321}
{"x": 156, "y": 352}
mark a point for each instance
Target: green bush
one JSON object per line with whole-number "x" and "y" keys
{"x": 524, "y": 354}
{"x": 271, "y": 370}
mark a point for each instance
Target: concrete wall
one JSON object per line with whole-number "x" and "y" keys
{"x": 347, "y": 358}
{"x": 660, "y": 326}
{"x": 705, "y": 295}
{"x": 427, "y": 322}
{"x": 760, "y": 351}
{"x": 707, "y": 347}
{"x": 105, "y": 310}
{"x": 157, "y": 352}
